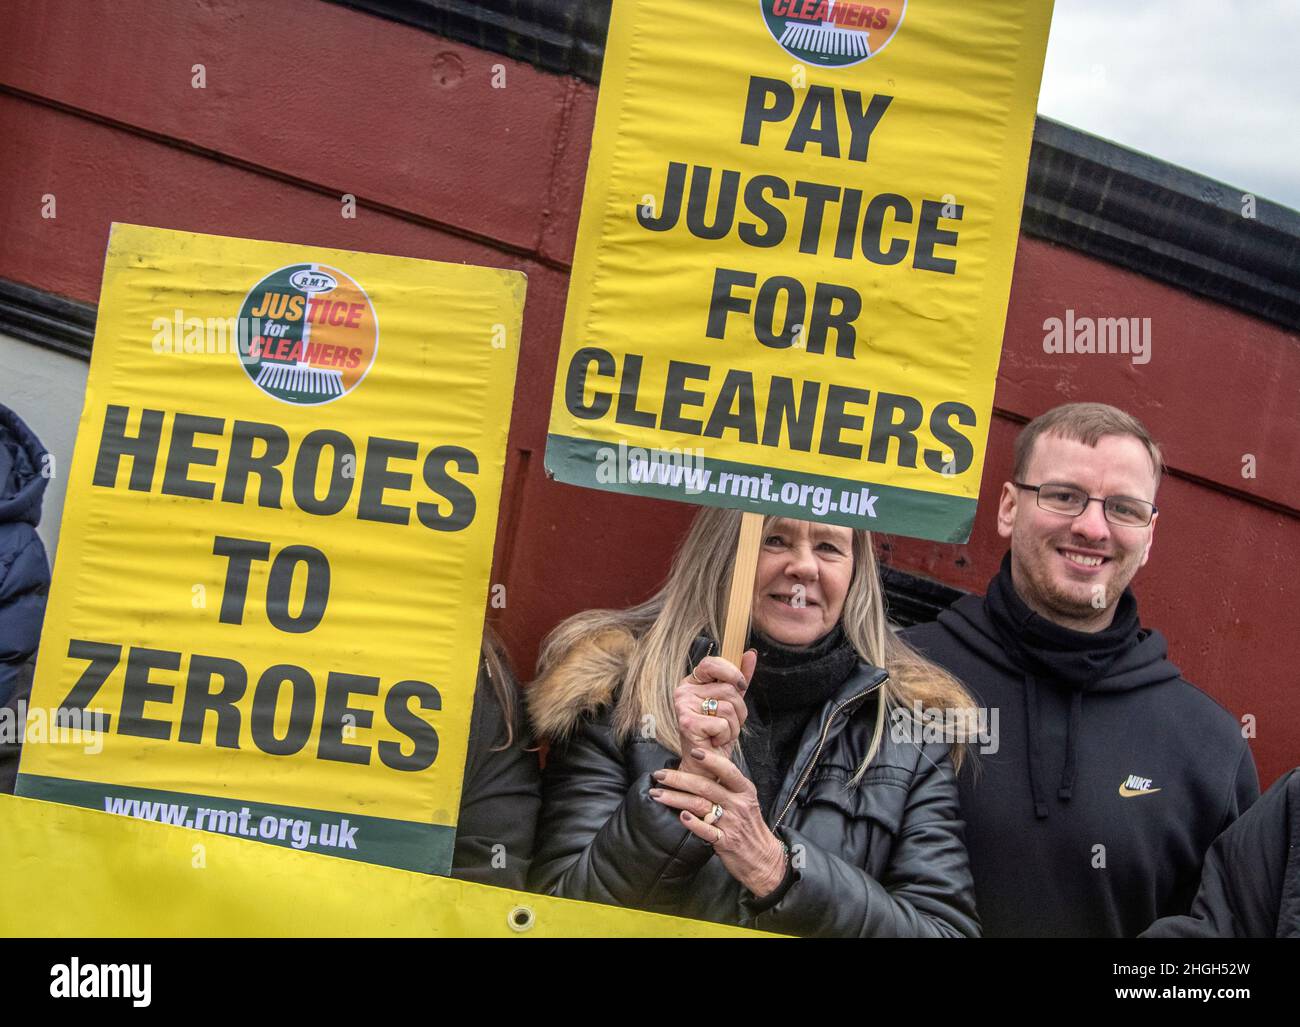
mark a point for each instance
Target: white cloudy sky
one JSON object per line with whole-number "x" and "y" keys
{"x": 1212, "y": 85}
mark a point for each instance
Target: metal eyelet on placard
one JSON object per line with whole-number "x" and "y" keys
{"x": 521, "y": 918}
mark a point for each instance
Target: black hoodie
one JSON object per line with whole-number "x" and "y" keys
{"x": 1111, "y": 776}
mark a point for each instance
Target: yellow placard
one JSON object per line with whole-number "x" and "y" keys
{"x": 136, "y": 879}
{"x": 272, "y": 572}
{"x": 795, "y": 252}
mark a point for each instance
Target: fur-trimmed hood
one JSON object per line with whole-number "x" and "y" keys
{"x": 583, "y": 681}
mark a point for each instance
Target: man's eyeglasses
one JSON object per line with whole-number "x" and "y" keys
{"x": 1070, "y": 501}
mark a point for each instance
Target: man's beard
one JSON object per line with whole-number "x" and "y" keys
{"x": 1071, "y": 604}
{"x": 1075, "y": 600}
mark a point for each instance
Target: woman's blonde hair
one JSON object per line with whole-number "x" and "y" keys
{"x": 693, "y": 600}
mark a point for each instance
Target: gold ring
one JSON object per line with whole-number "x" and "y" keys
{"x": 709, "y": 707}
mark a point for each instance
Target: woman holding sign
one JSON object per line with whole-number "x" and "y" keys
{"x": 802, "y": 799}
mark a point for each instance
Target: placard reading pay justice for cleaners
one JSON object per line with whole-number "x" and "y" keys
{"x": 272, "y": 573}
{"x": 794, "y": 257}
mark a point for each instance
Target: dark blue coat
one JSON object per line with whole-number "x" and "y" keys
{"x": 24, "y": 568}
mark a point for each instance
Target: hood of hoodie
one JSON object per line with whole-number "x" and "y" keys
{"x": 22, "y": 485}
{"x": 1142, "y": 663}
{"x": 1146, "y": 662}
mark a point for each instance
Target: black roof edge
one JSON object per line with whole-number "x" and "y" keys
{"x": 1164, "y": 221}
{"x": 45, "y": 319}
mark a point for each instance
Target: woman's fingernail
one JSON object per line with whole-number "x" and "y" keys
{"x": 659, "y": 775}
{"x": 697, "y": 754}
{"x": 656, "y": 792}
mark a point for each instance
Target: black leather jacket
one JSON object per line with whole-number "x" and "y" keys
{"x": 500, "y": 796}
{"x": 883, "y": 859}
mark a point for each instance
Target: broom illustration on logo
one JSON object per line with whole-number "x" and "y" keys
{"x": 826, "y": 38}
{"x": 301, "y": 377}
{"x": 832, "y": 33}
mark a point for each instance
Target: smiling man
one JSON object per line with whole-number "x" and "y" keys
{"x": 1113, "y": 774}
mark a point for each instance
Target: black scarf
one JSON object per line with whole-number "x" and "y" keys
{"x": 1075, "y": 660}
{"x": 788, "y": 687}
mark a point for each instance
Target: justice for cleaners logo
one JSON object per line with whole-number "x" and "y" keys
{"x": 312, "y": 334}
{"x": 832, "y": 33}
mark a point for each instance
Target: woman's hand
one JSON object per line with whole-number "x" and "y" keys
{"x": 751, "y": 853}
{"x": 720, "y": 680}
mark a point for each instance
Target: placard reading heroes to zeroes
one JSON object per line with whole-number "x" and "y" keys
{"x": 273, "y": 568}
{"x": 790, "y": 282}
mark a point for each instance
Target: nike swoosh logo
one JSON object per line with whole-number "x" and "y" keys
{"x": 1128, "y": 792}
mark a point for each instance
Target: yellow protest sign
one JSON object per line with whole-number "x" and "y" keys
{"x": 794, "y": 257}
{"x": 137, "y": 879}
{"x": 270, "y": 583}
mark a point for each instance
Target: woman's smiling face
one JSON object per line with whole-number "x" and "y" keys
{"x": 804, "y": 571}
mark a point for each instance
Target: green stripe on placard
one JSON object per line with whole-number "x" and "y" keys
{"x": 858, "y": 504}
{"x": 425, "y": 848}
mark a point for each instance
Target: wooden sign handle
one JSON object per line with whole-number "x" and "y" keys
{"x": 740, "y": 600}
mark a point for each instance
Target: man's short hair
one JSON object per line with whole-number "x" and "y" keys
{"x": 1086, "y": 423}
